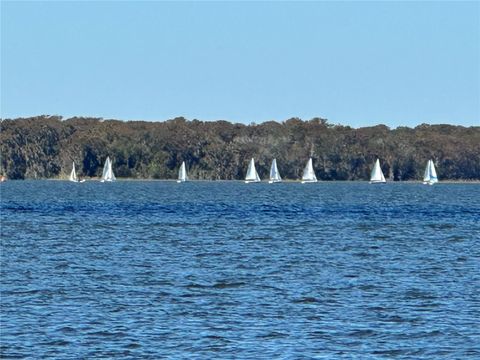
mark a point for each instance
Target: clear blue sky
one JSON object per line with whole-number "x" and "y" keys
{"x": 353, "y": 63}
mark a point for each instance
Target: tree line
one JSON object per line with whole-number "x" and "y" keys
{"x": 45, "y": 146}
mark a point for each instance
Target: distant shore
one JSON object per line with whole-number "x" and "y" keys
{"x": 47, "y": 146}
{"x": 289, "y": 181}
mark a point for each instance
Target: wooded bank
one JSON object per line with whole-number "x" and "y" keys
{"x": 45, "y": 146}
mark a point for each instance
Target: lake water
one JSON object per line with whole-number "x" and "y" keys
{"x": 204, "y": 270}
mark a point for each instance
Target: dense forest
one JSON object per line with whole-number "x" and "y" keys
{"x": 45, "y": 146}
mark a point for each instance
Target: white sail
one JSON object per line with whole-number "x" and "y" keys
{"x": 182, "y": 173}
{"x": 433, "y": 173}
{"x": 426, "y": 174}
{"x": 73, "y": 174}
{"x": 430, "y": 175}
{"x": 108, "y": 174}
{"x": 274, "y": 174}
{"x": 376, "y": 176}
{"x": 252, "y": 175}
{"x": 309, "y": 173}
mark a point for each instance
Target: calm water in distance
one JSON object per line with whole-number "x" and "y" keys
{"x": 204, "y": 270}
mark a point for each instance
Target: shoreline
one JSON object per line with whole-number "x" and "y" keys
{"x": 288, "y": 181}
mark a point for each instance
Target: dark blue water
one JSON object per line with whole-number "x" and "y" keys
{"x": 228, "y": 270}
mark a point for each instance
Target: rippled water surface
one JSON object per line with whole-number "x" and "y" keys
{"x": 228, "y": 270}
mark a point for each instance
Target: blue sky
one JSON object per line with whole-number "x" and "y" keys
{"x": 354, "y": 63}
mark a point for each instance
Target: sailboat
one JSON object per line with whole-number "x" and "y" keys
{"x": 308, "y": 173}
{"x": 182, "y": 173}
{"x": 108, "y": 174}
{"x": 274, "y": 174}
{"x": 430, "y": 176}
{"x": 376, "y": 177}
{"x": 252, "y": 175}
{"x": 73, "y": 175}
